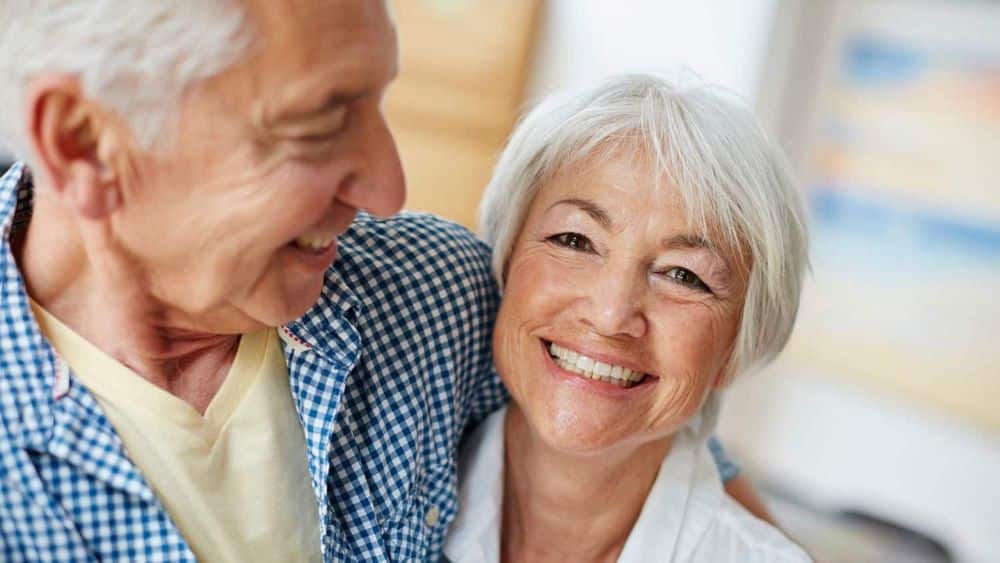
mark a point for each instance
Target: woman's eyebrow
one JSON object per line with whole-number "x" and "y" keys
{"x": 688, "y": 241}
{"x": 596, "y": 212}
{"x": 696, "y": 242}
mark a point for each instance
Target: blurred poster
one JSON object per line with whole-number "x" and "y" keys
{"x": 905, "y": 196}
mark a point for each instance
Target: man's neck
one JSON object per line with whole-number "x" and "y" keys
{"x": 116, "y": 312}
{"x": 561, "y": 507}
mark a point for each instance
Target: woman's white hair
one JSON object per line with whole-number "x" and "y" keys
{"x": 733, "y": 179}
{"x": 134, "y": 57}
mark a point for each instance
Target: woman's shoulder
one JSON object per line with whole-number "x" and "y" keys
{"x": 736, "y": 535}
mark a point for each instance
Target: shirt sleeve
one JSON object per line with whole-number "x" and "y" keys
{"x": 486, "y": 391}
{"x": 474, "y": 297}
{"x": 727, "y": 467}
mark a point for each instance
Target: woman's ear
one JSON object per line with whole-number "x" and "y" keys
{"x": 77, "y": 146}
{"x": 721, "y": 380}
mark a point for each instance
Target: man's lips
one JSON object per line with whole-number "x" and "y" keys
{"x": 315, "y": 259}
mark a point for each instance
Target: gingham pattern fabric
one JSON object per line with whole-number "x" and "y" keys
{"x": 386, "y": 376}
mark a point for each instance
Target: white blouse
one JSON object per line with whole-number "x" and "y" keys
{"x": 687, "y": 516}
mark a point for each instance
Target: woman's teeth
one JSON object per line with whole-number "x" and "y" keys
{"x": 593, "y": 369}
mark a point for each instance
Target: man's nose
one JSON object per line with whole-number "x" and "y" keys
{"x": 379, "y": 186}
{"x": 614, "y": 306}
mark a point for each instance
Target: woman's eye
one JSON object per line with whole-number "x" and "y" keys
{"x": 687, "y": 278}
{"x": 575, "y": 241}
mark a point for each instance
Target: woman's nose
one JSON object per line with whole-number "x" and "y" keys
{"x": 614, "y": 306}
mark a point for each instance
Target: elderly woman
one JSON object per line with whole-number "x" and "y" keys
{"x": 651, "y": 246}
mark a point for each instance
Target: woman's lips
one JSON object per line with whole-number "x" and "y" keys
{"x": 593, "y": 368}
{"x": 599, "y": 385}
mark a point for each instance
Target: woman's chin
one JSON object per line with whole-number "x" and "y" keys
{"x": 577, "y": 432}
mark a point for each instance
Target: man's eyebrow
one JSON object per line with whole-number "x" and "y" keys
{"x": 299, "y": 101}
{"x": 596, "y": 212}
{"x": 300, "y": 110}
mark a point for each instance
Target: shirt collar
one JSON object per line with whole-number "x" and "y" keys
{"x": 678, "y": 509}
{"x": 680, "y": 505}
{"x": 40, "y": 407}
{"x": 31, "y": 378}
{"x": 475, "y": 533}
{"x": 328, "y": 327}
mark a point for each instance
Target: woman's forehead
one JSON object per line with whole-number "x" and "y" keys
{"x": 623, "y": 182}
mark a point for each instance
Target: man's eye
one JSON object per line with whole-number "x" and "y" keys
{"x": 686, "y": 278}
{"x": 316, "y": 138}
{"x": 321, "y": 130}
{"x": 575, "y": 241}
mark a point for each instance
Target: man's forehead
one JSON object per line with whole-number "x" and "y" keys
{"x": 309, "y": 24}
{"x": 307, "y": 46}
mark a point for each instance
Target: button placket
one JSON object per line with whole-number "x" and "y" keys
{"x": 432, "y": 516}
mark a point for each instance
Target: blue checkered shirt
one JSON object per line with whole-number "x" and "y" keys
{"x": 387, "y": 371}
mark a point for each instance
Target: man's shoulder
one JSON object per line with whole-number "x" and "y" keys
{"x": 413, "y": 234}
{"x": 413, "y": 249}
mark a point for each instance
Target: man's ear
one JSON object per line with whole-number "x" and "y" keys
{"x": 77, "y": 145}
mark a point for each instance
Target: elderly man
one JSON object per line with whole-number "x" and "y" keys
{"x": 195, "y": 168}
{"x": 186, "y": 372}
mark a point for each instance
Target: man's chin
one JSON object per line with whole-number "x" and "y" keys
{"x": 296, "y": 303}
{"x": 282, "y": 299}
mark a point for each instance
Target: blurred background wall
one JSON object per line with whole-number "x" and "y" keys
{"x": 885, "y": 404}
{"x": 876, "y": 436}
{"x": 470, "y": 67}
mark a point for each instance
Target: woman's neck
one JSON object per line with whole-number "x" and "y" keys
{"x": 565, "y": 507}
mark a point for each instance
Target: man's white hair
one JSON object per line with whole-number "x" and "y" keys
{"x": 733, "y": 180}
{"x": 133, "y": 57}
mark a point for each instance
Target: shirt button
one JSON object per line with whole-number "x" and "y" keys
{"x": 432, "y": 516}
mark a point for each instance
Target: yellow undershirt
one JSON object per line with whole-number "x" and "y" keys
{"x": 234, "y": 481}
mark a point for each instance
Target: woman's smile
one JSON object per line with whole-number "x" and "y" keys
{"x": 594, "y": 372}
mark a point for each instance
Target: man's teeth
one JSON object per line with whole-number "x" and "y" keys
{"x": 593, "y": 369}
{"x": 314, "y": 243}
